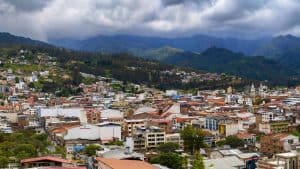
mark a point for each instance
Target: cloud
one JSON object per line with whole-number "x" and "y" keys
{"x": 87, "y": 18}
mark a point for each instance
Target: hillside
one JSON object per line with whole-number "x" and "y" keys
{"x": 7, "y": 39}
{"x": 222, "y": 60}
{"x": 285, "y": 48}
{"x": 121, "y": 66}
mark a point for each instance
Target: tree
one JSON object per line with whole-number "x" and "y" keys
{"x": 116, "y": 143}
{"x": 198, "y": 161}
{"x": 76, "y": 77}
{"x": 171, "y": 160}
{"x": 168, "y": 147}
{"x": 193, "y": 138}
{"x": 90, "y": 150}
{"x": 25, "y": 151}
{"x": 234, "y": 141}
{"x": 3, "y": 162}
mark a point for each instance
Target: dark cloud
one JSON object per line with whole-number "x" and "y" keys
{"x": 178, "y": 2}
{"x": 28, "y": 5}
{"x": 44, "y": 19}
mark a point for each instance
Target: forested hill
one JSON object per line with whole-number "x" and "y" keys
{"x": 224, "y": 61}
{"x": 7, "y": 39}
{"x": 126, "y": 68}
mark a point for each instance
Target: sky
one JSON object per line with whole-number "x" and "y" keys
{"x": 81, "y": 19}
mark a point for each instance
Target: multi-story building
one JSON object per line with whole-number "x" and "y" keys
{"x": 274, "y": 127}
{"x": 174, "y": 138}
{"x": 227, "y": 129}
{"x": 212, "y": 122}
{"x": 131, "y": 125}
{"x": 147, "y": 138}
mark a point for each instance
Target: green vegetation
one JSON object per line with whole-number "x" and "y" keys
{"x": 168, "y": 147}
{"x": 116, "y": 143}
{"x": 24, "y": 68}
{"x": 198, "y": 161}
{"x": 22, "y": 144}
{"x": 193, "y": 139}
{"x": 224, "y": 61}
{"x": 90, "y": 150}
{"x": 171, "y": 160}
{"x": 89, "y": 80}
{"x": 232, "y": 141}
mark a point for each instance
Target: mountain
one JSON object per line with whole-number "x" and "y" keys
{"x": 224, "y": 61}
{"x": 122, "y": 66}
{"x": 275, "y": 59}
{"x": 7, "y": 39}
{"x": 279, "y": 47}
{"x": 125, "y": 43}
{"x": 156, "y": 54}
{"x": 285, "y": 47}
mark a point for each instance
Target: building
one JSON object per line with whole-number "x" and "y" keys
{"x": 278, "y": 143}
{"x": 131, "y": 125}
{"x": 227, "y": 129}
{"x": 45, "y": 161}
{"x": 174, "y": 138}
{"x": 231, "y": 162}
{"x": 147, "y": 138}
{"x": 93, "y": 116}
{"x": 288, "y": 160}
{"x": 212, "y": 122}
{"x": 109, "y": 163}
{"x": 274, "y": 127}
{"x": 112, "y": 115}
{"x": 77, "y": 137}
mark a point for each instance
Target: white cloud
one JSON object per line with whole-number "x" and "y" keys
{"x": 87, "y": 18}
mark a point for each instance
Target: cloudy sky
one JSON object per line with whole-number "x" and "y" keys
{"x": 44, "y": 19}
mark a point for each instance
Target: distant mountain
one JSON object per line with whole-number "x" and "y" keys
{"x": 224, "y": 61}
{"x": 156, "y": 54}
{"x": 275, "y": 59}
{"x": 7, "y": 39}
{"x": 125, "y": 43}
{"x": 121, "y": 66}
{"x": 279, "y": 47}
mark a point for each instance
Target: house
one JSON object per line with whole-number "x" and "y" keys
{"x": 108, "y": 163}
{"x": 77, "y": 137}
{"x": 287, "y": 160}
{"x": 45, "y": 161}
{"x": 231, "y": 162}
{"x": 112, "y": 115}
{"x": 227, "y": 129}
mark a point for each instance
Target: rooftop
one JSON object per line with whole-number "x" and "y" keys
{"x": 128, "y": 164}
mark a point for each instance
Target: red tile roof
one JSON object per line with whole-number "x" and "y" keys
{"x": 48, "y": 158}
{"x": 128, "y": 164}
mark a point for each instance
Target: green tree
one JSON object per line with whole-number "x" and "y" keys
{"x": 168, "y": 147}
{"x": 91, "y": 149}
{"x": 193, "y": 138}
{"x": 171, "y": 160}
{"x": 25, "y": 151}
{"x": 76, "y": 77}
{"x": 60, "y": 150}
{"x": 234, "y": 141}
{"x": 198, "y": 161}
{"x": 116, "y": 143}
{"x": 3, "y": 162}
